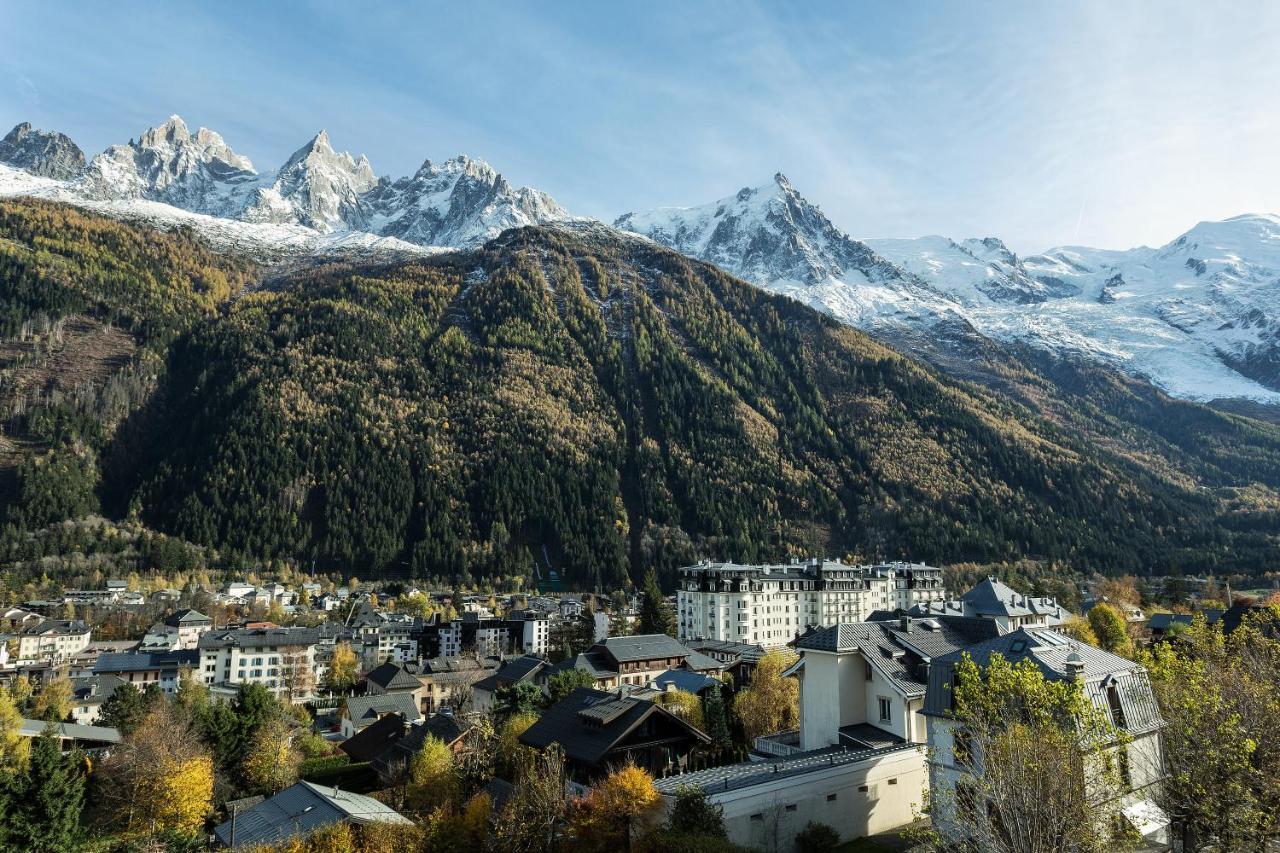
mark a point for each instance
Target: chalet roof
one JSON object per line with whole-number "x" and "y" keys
{"x": 748, "y": 652}
{"x": 596, "y": 665}
{"x": 366, "y": 709}
{"x": 301, "y": 809}
{"x": 698, "y": 662}
{"x": 589, "y": 723}
{"x": 187, "y": 618}
{"x": 393, "y": 677}
{"x": 521, "y": 669}
{"x": 55, "y": 627}
{"x": 993, "y": 598}
{"x": 95, "y": 689}
{"x": 375, "y": 739}
{"x": 443, "y": 727}
{"x": 642, "y": 647}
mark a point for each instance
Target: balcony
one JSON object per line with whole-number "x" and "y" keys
{"x": 779, "y": 745}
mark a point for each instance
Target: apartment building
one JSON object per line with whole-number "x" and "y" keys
{"x": 770, "y": 605}
{"x": 282, "y": 659}
{"x": 53, "y": 640}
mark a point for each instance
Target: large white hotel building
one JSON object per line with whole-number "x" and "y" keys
{"x": 770, "y": 605}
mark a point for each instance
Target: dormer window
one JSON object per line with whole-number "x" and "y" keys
{"x": 1117, "y": 709}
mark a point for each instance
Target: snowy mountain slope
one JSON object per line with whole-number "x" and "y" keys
{"x": 316, "y": 187}
{"x": 771, "y": 236}
{"x": 460, "y": 202}
{"x": 456, "y": 204}
{"x": 266, "y": 241}
{"x": 1199, "y": 318}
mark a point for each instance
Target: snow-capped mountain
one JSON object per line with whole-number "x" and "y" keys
{"x": 198, "y": 173}
{"x": 771, "y": 236}
{"x": 42, "y": 152}
{"x": 1199, "y": 317}
{"x": 459, "y": 202}
{"x": 455, "y": 204}
{"x": 317, "y": 187}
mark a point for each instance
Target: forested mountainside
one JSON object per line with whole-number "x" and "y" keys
{"x": 573, "y": 397}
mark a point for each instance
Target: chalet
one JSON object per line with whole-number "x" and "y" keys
{"x": 360, "y": 712}
{"x": 396, "y": 678}
{"x": 599, "y": 731}
{"x": 141, "y": 669}
{"x": 390, "y": 761}
{"x": 526, "y": 668}
{"x": 52, "y": 640}
{"x": 88, "y": 694}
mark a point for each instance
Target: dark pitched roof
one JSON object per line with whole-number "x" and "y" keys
{"x": 749, "y": 652}
{"x": 443, "y": 727}
{"x": 993, "y": 598}
{"x": 95, "y": 689}
{"x": 140, "y": 661}
{"x": 373, "y": 740}
{"x": 1054, "y": 654}
{"x": 589, "y": 723}
{"x": 698, "y": 662}
{"x": 365, "y": 709}
{"x": 683, "y": 679}
{"x": 594, "y": 664}
{"x": 642, "y": 647}
{"x": 256, "y": 638}
{"x": 521, "y": 669}
{"x": 300, "y": 809}
{"x": 392, "y": 677}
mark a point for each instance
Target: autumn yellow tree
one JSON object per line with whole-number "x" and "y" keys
{"x": 160, "y": 778}
{"x": 614, "y": 812}
{"x": 685, "y": 705}
{"x": 430, "y": 782}
{"x": 342, "y": 669}
{"x": 771, "y": 703}
{"x": 14, "y": 748}
{"x": 53, "y": 701}
{"x": 273, "y": 760}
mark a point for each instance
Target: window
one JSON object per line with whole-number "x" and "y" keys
{"x": 831, "y": 798}
{"x": 886, "y": 709}
{"x": 1117, "y": 709}
{"x": 791, "y": 807}
{"x": 757, "y": 816}
{"x": 869, "y": 673}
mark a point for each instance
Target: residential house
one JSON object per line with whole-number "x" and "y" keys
{"x": 857, "y": 761}
{"x": 300, "y": 810}
{"x": 1117, "y": 687}
{"x": 526, "y": 668}
{"x": 600, "y": 731}
{"x": 359, "y": 712}
{"x": 389, "y": 763}
{"x": 448, "y": 681}
{"x": 397, "y": 678}
{"x": 88, "y": 694}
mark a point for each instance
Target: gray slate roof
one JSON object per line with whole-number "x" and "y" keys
{"x": 257, "y": 638}
{"x": 301, "y": 809}
{"x": 143, "y": 661}
{"x": 993, "y": 598}
{"x": 443, "y": 727}
{"x": 1050, "y": 651}
{"x": 392, "y": 677}
{"x": 364, "y": 710}
{"x": 71, "y": 731}
{"x": 900, "y": 654}
{"x": 588, "y": 723}
{"x": 643, "y": 647}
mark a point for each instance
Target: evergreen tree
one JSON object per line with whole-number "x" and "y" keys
{"x": 717, "y": 720}
{"x": 123, "y": 709}
{"x": 44, "y": 810}
{"x": 655, "y": 616}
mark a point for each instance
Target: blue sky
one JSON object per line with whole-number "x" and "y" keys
{"x": 1108, "y": 124}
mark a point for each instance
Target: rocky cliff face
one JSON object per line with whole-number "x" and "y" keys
{"x": 42, "y": 152}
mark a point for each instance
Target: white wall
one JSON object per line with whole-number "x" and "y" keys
{"x": 768, "y": 816}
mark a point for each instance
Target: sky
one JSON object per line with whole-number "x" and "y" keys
{"x": 1108, "y": 124}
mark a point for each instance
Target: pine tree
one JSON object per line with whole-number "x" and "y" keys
{"x": 717, "y": 720}
{"x": 45, "y": 807}
{"x": 655, "y": 616}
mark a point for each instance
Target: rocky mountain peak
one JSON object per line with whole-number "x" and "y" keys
{"x": 42, "y": 152}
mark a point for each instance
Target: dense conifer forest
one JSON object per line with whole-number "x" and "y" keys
{"x": 573, "y": 400}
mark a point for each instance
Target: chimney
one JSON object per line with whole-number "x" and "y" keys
{"x": 1075, "y": 666}
{"x": 904, "y": 624}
